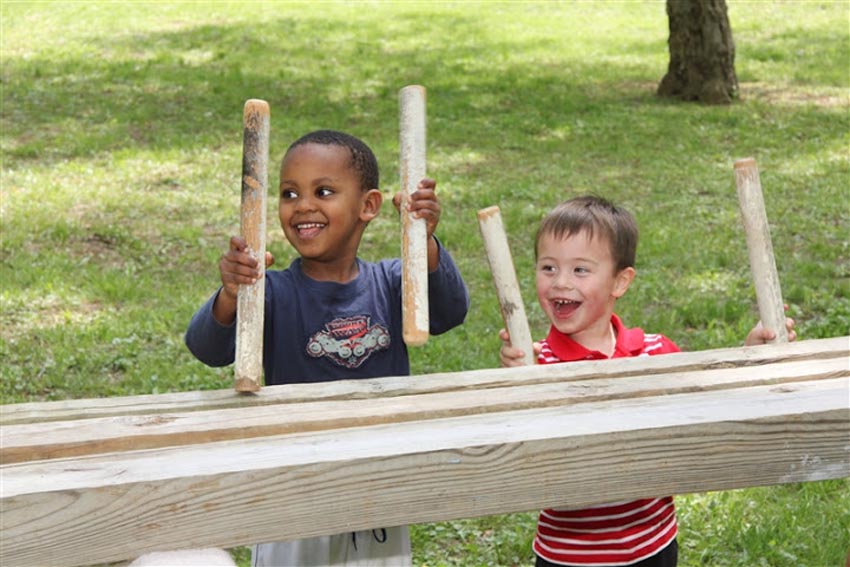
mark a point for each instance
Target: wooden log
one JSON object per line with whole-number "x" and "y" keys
{"x": 28, "y": 442}
{"x": 414, "y": 236}
{"x": 250, "y": 300}
{"x": 504, "y": 277}
{"x": 109, "y": 507}
{"x": 184, "y": 402}
{"x": 760, "y": 248}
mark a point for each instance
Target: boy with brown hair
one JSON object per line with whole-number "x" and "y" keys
{"x": 585, "y": 256}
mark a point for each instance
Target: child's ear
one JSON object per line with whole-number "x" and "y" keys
{"x": 372, "y": 200}
{"x": 622, "y": 280}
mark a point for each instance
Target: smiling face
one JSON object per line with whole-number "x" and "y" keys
{"x": 323, "y": 209}
{"x": 578, "y": 285}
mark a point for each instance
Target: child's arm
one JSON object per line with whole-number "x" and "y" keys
{"x": 511, "y": 355}
{"x": 423, "y": 203}
{"x": 236, "y": 267}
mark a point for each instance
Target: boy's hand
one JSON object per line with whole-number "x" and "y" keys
{"x": 758, "y": 335}
{"x": 237, "y": 267}
{"x": 423, "y": 204}
{"x": 511, "y": 356}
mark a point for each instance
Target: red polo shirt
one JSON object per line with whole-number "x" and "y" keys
{"x": 620, "y": 533}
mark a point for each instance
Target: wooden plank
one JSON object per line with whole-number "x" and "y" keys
{"x": 63, "y": 439}
{"x": 182, "y": 402}
{"x": 110, "y": 507}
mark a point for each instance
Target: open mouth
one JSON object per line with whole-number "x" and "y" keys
{"x": 565, "y": 307}
{"x": 309, "y": 229}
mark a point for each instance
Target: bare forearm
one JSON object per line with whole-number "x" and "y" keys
{"x": 433, "y": 254}
{"x": 224, "y": 308}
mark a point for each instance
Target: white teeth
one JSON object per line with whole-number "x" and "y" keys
{"x": 563, "y": 301}
{"x": 307, "y": 225}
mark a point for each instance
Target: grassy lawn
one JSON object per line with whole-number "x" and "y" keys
{"x": 121, "y": 162}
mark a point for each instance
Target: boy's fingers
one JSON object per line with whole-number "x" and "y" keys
{"x": 427, "y": 183}
{"x": 238, "y": 243}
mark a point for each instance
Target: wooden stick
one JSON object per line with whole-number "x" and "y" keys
{"x": 414, "y": 236}
{"x": 251, "y": 298}
{"x": 504, "y": 276}
{"x": 762, "y": 262}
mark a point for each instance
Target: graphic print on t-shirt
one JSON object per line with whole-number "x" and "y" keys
{"x": 348, "y": 341}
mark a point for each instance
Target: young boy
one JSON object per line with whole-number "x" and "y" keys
{"x": 330, "y": 315}
{"x": 585, "y": 255}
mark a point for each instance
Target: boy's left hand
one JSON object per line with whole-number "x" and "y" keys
{"x": 758, "y": 335}
{"x": 423, "y": 204}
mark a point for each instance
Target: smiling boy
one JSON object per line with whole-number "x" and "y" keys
{"x": 585, "y": 257}
{"x": 330, "y": 315}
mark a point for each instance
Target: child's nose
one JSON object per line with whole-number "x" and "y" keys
{"x": 564, "y": 281}
{"x": 304, "y": 203}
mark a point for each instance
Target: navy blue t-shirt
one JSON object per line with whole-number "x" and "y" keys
{"x": 317, "y": 331}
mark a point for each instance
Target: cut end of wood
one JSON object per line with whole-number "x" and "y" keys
{"x": 745, "y": 163}
{"x": 413, "y": 88}
{"x": 256, "y": 106}
{"x": 415, "y": 337}
{"x": 488, "y": 212}
{"x": 246, "y": 385}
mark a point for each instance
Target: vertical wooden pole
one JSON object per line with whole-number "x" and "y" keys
{"x": 762, "y": 261}
{"x": 251, "y": 298}
{"x": 504, "y": 276}
{"x": 414, "y": 240}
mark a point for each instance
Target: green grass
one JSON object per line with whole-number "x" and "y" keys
{"x": 121, "y": 160}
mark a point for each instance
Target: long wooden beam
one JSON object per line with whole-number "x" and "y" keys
{"x": 607, "y": 443}
{"x": 28, "y": 442}
{"x": 182, "y": 402}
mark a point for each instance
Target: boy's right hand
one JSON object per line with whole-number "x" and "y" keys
{"x": 511, "y": 356}
{"x": 237, "y": 266}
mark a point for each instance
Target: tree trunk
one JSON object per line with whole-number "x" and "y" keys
{"x": 702, "y": 53}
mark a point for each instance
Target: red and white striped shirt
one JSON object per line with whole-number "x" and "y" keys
{"x": 620, "y": 533}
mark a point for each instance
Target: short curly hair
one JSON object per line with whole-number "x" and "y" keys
{"x": 363, "y": 160}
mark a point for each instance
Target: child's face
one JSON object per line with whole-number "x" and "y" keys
{"x": 322, "y": 208}
{"x": 577, "y": 284}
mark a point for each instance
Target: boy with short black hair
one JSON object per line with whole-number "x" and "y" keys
{"x": 330, "y": 315}
{"x": 585, "y": 255}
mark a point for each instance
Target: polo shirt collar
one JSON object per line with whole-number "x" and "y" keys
{"x": 629, "y": 343}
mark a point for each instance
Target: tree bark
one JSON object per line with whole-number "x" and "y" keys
{"x": 702, "y": 53}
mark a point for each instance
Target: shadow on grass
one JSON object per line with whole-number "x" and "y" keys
{"x": 183, "y": 90}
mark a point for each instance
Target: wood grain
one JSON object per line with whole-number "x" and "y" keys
{"x": 28, "y": 442}
{"x": 250, "y": 301}
{"x": 647, "y": 367}
{"x": 414, "y": 238}
{"x": 760, "y": 248}
{"x": 504, "y": 277}
{"x": 109, "y": 507}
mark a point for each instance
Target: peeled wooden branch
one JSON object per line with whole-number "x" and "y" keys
{"x": 504, "y": 277}
{"x": 414, "y": 236}
{"x": 248, "y": 365}
{"x": 760, "y": 248}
